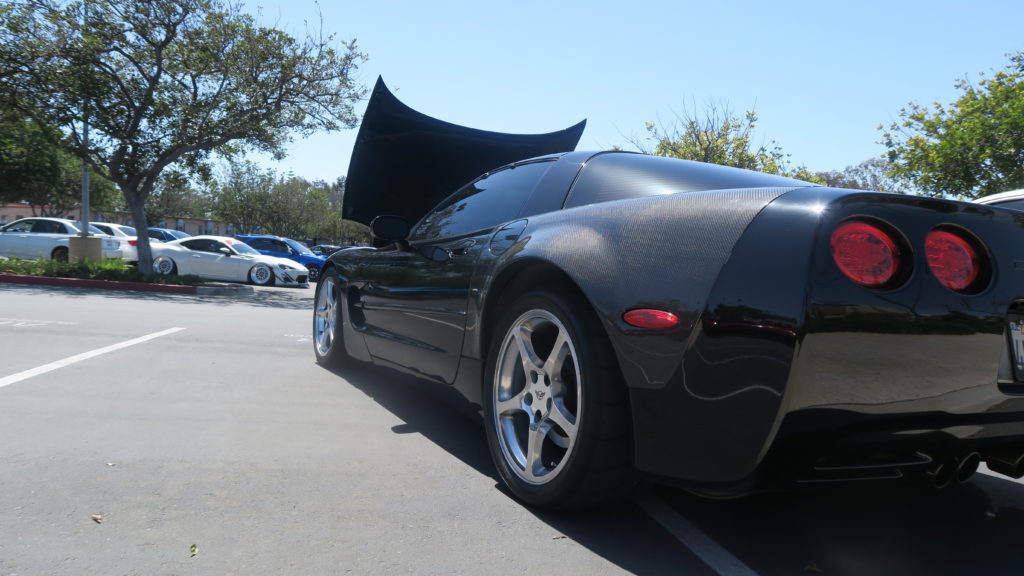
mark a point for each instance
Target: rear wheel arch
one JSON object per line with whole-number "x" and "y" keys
{"x": 514, "y": 281}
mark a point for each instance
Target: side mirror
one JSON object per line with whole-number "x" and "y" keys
{"x": 390, "y": 228}
{"x": 225, "y": 251}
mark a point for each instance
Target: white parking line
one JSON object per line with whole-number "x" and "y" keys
{"x": 717, "y": 558}
{"x": 83, "y": 356}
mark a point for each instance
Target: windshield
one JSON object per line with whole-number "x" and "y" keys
{"x": 129, "y": 231}
{"x": 299, "y": 247}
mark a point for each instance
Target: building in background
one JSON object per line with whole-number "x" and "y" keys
{"x": 193, "y": 226}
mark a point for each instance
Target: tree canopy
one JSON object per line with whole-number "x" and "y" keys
{"x": 719, "y": 137}
{"x": 166, "y": 83}
{"x": 37, "y": 167}
{"x": 970, "y": 148}
{"x": 872, "y": 174}
{"x": 261, "y": 201}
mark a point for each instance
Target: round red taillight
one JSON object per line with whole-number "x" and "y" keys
{"x": 866, "y": 253}
{"x": 953, "y": 259}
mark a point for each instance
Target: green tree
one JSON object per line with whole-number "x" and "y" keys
{"x": 719, "y": 137}
{"x": 167, "y": 82}
{"x": 970, "y": 148}
{"x": 176, "y": 196}
{"x": 37, "y": 167}
{"x": 241, "y": 195}
{"x": 871, "y": 174}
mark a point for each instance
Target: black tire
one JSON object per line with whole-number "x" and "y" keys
{"x": 60, "y": 254}
{"x": 314, "y": 272}
{"x": 261, "y": 275}
{"x": 560, "y": 436}
{"x": 328, "y": 317}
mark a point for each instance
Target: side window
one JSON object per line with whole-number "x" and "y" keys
{"x": 483, "y": 204}
{"x": 48, "y": 227}
{"x": 23, "y": 226}
{"x": 202, "y": 245}
{"x": 260, "y": 244}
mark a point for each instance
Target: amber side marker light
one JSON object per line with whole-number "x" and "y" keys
{"x": 650, "y": 318}
{"x": 953, "y": 259}
{"x": 866, "y": 253}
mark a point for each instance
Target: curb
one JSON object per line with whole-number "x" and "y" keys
{"x": 206, "y": 289}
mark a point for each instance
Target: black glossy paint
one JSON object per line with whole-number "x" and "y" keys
{"x": 781, "y": 369}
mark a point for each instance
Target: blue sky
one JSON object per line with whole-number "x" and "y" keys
{"x": 821, "y": 75}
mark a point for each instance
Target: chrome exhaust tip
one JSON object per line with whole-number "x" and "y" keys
{"x": 967, "y": 466}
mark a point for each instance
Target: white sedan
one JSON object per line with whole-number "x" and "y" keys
{"x": 40, "y": 237}
{"x": 127, "y": 235}
{"x": 224, "y": 258}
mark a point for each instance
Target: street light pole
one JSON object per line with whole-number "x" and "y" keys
{"x": 85, "y": 170}
{"x": 85, "y": 246}
{"x": 84, "y": 230}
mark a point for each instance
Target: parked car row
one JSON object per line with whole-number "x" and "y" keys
{"x": 259, "y": 259}
{"x": 42, "y": 237}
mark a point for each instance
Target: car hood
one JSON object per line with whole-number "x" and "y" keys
{"x": 404, "y": 162}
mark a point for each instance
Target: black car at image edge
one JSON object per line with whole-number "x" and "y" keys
{"x": 613, "y": 314}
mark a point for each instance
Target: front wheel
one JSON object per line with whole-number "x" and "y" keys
{"x": 261, "y": 275}
{"x": 314, "y": 272}
{"x": 555, "y": 405}
{"x": 327, "y": 322}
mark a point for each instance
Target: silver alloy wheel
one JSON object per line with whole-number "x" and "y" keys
{"x": 325, "y": 317}
{"x": 537, "y": 398}
{"x": 261, "y": 274}
{"x": 163, "y": 265}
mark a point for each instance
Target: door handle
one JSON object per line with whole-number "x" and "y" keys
{"x": 462, "y": 248}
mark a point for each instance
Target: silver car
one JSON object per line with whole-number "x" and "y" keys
{"x": 40, "y": 237}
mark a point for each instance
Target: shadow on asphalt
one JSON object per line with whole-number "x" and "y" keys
{"x": 974, "y": 528}
{"x": 286, "y": 298}
{"x": 622, "y": 534}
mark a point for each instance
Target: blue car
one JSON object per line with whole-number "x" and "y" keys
{"x": 167, "y": 234}
{"x": 286, "y": 248}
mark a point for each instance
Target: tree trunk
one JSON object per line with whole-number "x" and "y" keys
{"x": 137, "y": 208}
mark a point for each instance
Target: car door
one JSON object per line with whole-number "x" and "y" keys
{"x": 412, "y": 299}
{"x": 13, "y": 238}
{"x": 206, "y": 260}
{"x": 44, "y": 237}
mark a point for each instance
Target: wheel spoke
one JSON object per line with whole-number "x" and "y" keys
{"x": 564, "y": 419}
{"x": 534, "y": 449}
{"x": 516, "y": 403}
{"x": 531, "y": 361}
{"x": 559, "y": 352}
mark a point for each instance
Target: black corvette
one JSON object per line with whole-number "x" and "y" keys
{"x": 614, "y": 313}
